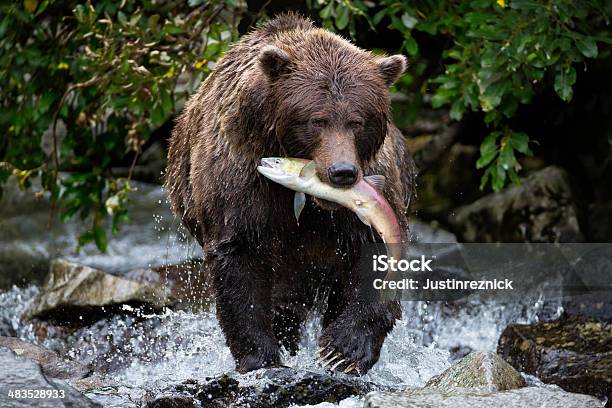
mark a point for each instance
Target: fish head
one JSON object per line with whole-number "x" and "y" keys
{"x": 284, "y": 171}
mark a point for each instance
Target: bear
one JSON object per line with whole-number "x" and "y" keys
{"x": 289, "y": 89}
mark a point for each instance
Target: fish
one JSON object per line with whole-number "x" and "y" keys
{"x": 364, "y": 198}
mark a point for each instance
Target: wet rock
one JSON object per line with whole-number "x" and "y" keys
{"x": 479, "y": 369}
{"x": 541, "y": 209}
{"x": 459, "y": 351}
{"x": 72, "y": 291}
{"x": 479, "y": 379}
{"x": 528, "y": 397}
{"x": 574, "y": 353}
{"x": 52, "y": 365}
{"x": 19, "y": 373}
{"x": 173, "y": 401}
{"x": 279, "y": 387}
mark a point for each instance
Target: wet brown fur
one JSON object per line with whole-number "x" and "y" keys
{"x": 287, "y": 89}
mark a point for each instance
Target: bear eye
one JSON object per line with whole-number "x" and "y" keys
{"x": 318, "y": 122}
{"x": 356, "y": 124}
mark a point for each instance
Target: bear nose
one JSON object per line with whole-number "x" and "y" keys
{"x": 342, "y": 173}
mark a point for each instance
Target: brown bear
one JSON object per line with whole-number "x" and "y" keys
{"x": 289, "y": 89}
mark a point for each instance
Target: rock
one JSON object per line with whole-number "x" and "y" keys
{"x": 479, "y": 369}
{"x": 19, "y": 374}
{"x": 574, "y": 353}
{"x": 541, "y": 209}
{"x": 459, "y": 351}
{"x": 173, "y": 401}
{"x": 52, "y": 365}
{"x": 481, "y": 379}
{"x": 72, "y": 291}
{"x": 277, "y": 387}
{"x": 528, "y": 397}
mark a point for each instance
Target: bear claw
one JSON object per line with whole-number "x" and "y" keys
{"x": 338, "y": 360}
{"x": 351, "y": 367}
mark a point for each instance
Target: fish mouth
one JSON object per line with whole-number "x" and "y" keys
{"x": 270, "y": 162}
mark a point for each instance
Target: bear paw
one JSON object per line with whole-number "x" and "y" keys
{"x": 348, "y": 349}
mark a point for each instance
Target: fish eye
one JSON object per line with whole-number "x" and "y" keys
{"x": 277, "y": 161}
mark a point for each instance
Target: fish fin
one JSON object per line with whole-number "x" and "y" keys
{"x": 308, "y": 170}
{"x": 298, "y": 205}
{"x": 362, "y": 218}
{"x": 377, "y": 181}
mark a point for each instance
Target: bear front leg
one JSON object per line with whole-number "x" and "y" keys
{"x": 243, "y": 295}
{"x": 351, "y": 343}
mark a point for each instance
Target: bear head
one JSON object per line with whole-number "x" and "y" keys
{"x": 331, "y": 101}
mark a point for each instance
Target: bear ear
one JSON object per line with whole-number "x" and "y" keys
{"x": 274, "y": 61}
{"x": 391, "y": 68}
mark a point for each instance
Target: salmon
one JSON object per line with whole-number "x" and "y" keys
{"x": 364, "y": 198}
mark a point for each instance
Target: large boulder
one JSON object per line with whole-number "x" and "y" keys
{"x": 20, "y": 375}
{"x": 479, "y": 369}
{"x": 541, "y": 209}
{"x": 72, "y": 291}
{"x": 529, "y": 397}
{"x": 52, "y": 365}
{"x": 574, "y": 353}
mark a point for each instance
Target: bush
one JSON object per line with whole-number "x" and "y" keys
{"x": 84, "y": 85}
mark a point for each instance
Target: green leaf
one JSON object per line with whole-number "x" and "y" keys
{"x": 498, "y": 177}
{"x": 506, "y": 158}
{"x": 564, "y": 81}
{"x": 520, "y": 142}
{"x": 587, "y": 46}
{"x": 409, "y": 21}
{"x": 485, "y": 178}
{"x": 327, "y": 10}
{"x": 411, "y": 45}
{"x": 342, "y": 16}
{"x": 457, "y": 109}
{"x": 166, "y": 101}
{"x": 379, "y": 16}
{"x": 489, "y": 144}
{"x": 100, "y": 239}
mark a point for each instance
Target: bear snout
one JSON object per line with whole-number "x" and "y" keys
{"x": 342, "y": 174}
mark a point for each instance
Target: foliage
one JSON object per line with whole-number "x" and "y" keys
{"x": 85, "y": 84}
{"x": 498, "y": 55}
